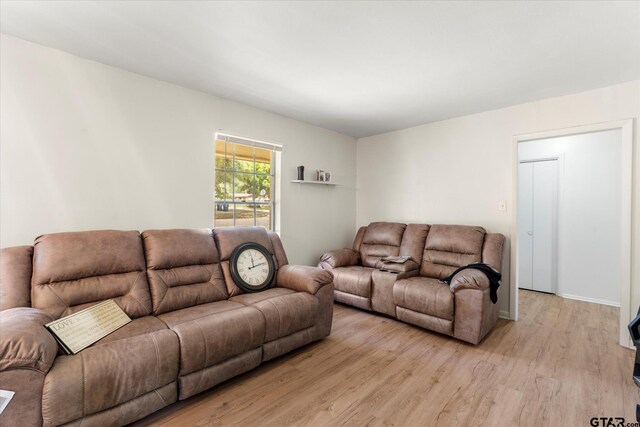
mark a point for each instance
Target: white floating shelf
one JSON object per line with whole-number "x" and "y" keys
{"x": 297, "y": 181}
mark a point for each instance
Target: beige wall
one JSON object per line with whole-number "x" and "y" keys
{"x": 88, "y": 146}
{"x": 459, "y": 170}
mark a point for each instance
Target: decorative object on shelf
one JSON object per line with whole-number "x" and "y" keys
{"x": 322, "y": 177}
{"x": 252, "y": 267}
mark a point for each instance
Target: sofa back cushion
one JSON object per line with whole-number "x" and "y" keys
{"x": 449, "y": 247}
{"x": 413, "y": 241}
{"x": 228, "y": 238}
{"x": 72, "y": 271}
{"x": 380, "y": 239}
{"x": 183, "y": 268}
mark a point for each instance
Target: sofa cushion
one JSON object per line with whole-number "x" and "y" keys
{"x": 139, "y": 326}
{"x": 413, "y": 241}
{"x": 380, "y": 239}
{"x": 353, "y": 280}
{"x": 229, "y": 238}
{"x": 174, "y": 318}
{"x": 103, "y": 376}
{"x": 26, "y": 405}
{"x": 424, "y": 295}
{"x": 285, "y": 311}
{"x": 384, "y": 233}
{"x": 287, "y": 314}
{"x": 73, "y": 271}
{"x": 183, "y": 268}
{"x": 210, "y": 339}
{"x": 255, "y": 297}
{"x": 449, "y": 247}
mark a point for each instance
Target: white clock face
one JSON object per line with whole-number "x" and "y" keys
{"x": 253, "y": 267}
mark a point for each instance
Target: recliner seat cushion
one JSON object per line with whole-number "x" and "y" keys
{"x": 174, "y": 318}
{"x": 353, "y": 280}
{"x": 424, "y": 295}
{"x": 183, "y": 268}
{"x": 380, "y": 239}
{"x": 287, "y": 314}
{"x": 73, "y": 271}
{"x": 285, "y": 311}
{"x": 255, "y": 297}
{"x": 212, "y": 333}
{"x": 449, "y": 247}
{"x": 104, "y": 376}
{"x": 139, "y": 326}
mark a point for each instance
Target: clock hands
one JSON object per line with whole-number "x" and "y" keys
{"x": 257, "y": 265}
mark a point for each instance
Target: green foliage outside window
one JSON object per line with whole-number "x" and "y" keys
{"x": 243, "y": 180}
{"x": 258, "y": 186}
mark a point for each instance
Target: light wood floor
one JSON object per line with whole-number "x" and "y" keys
{"x": 559, "y": 365}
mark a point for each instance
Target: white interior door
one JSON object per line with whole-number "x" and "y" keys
{"x": 545, "y": 184}
{"x": 525, "y": 225}
{"x": 537, "y": 225}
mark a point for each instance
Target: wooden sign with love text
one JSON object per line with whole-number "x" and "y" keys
{"x": 79, "y": 330}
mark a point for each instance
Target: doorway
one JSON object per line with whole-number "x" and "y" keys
{"x": 593, "y": 224}
{"x": 537, "y": 225}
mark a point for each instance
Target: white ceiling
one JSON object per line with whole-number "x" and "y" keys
{"x": 360, "y": 68}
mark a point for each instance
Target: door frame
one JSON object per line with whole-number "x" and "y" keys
{"x": 626, "y": 187}
{"x": 556, "y": 223}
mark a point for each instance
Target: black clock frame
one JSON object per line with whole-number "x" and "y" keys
{"x": 233, "y": 267}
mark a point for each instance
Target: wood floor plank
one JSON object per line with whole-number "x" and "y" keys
{"x": 560, "y": 364}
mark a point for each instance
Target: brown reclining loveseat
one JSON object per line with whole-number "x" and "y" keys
{"x": 192, "y": 326}
{"x": 412, "y": 292}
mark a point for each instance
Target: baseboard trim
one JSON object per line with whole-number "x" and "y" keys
{"x": 504, "y": 314}
{"x": 593, "y": 300}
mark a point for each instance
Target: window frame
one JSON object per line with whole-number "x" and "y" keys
{"x": 235, "y": 141}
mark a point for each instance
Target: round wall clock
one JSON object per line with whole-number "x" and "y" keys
{"x": 252, "y": 267}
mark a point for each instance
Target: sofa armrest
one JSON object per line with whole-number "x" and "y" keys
{"x": 303, "y": 278}
{"x": 469, "y": 279}
{"x": 394, "y": 267}
{"x": 15, "y": 277}
{"x": 24, "y": 341}
{"x": 339, "y": 258}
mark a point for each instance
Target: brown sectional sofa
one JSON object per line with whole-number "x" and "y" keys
{"x": 192, "y": 327}
{"x": 412, "y": 292}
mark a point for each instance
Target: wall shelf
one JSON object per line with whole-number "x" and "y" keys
{"x": 297, "y": 181}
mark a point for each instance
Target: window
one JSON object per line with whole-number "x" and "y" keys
{"x": 244, "y": 182}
